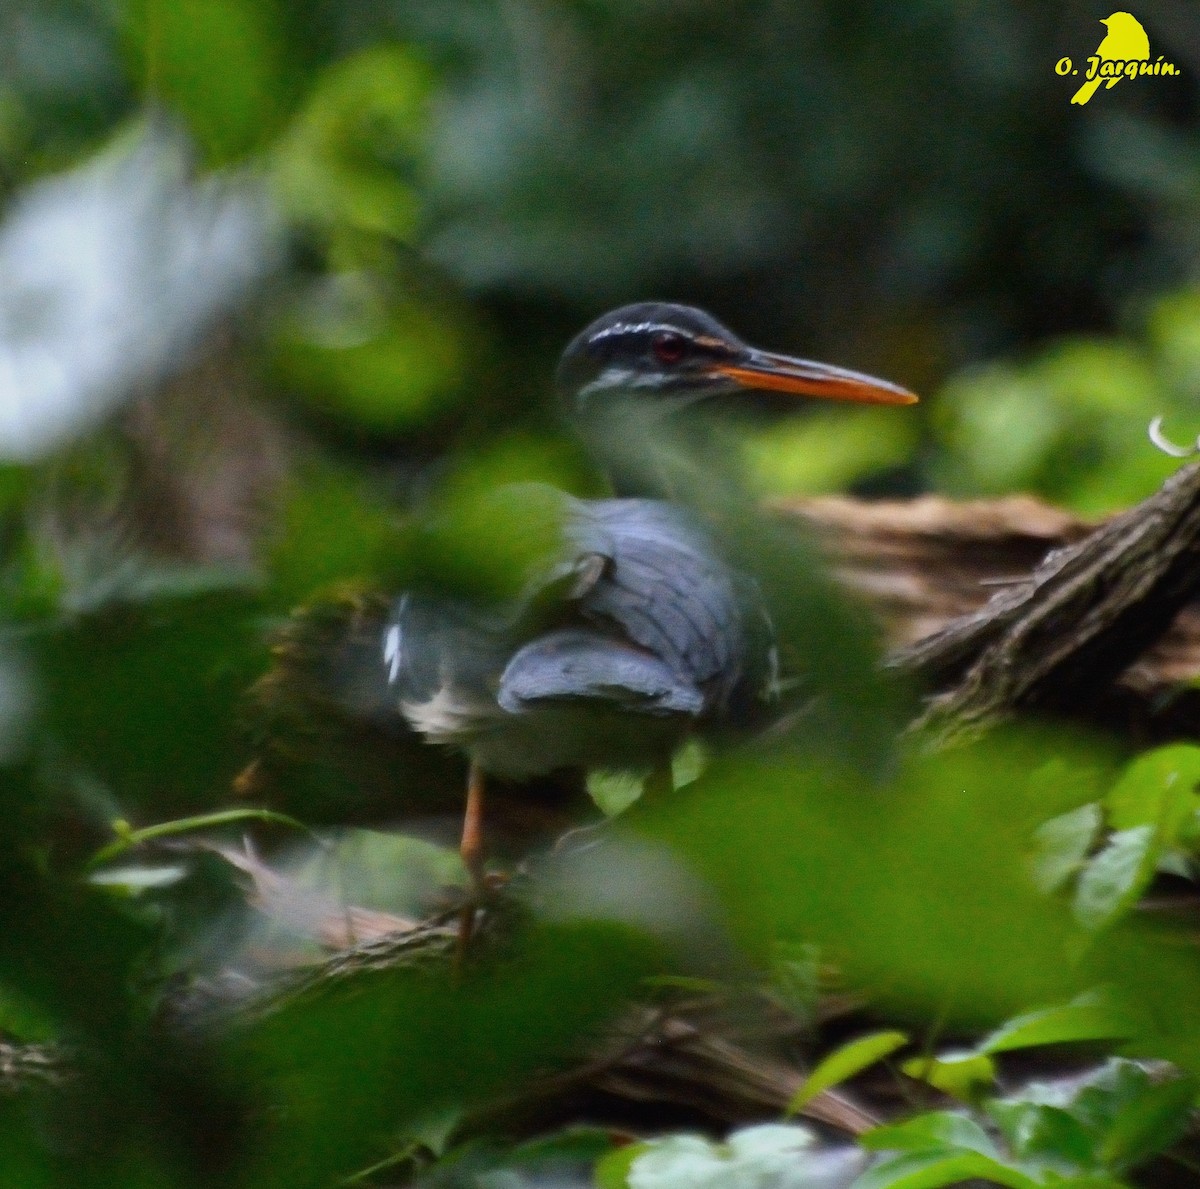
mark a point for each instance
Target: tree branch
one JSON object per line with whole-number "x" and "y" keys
{"x": 1100, "y": 630}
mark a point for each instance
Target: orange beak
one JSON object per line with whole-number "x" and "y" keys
{"x": 804, "y": 377}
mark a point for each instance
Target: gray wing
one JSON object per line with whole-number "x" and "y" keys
{"x": 572, "y": 664}
{"x": 434, "y": 642}
{"x": 639, "y": 609}
{"x": 669, "y": 590}
{"x": 654, "y": 621}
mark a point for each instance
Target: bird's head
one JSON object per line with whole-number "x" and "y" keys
{"x": 675, "y": 355}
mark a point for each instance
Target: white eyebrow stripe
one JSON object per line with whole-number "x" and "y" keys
{"x": 623, "y": 328}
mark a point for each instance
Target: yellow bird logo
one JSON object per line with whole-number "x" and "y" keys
{"x": 1126, "y": 41}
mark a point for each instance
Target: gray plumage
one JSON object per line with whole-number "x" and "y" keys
{"x": 636, "y": 632}
{"x": 632, "y": 635}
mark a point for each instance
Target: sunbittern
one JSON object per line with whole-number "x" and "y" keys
{"x": 638, "y": 633}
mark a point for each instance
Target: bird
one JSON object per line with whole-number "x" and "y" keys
{"x": 1126, "y": 41}
{"x": 633, "y": 631}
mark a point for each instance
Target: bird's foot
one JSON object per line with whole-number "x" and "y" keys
{"x": 474, "y": 901}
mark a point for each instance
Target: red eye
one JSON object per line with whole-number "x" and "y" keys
{"x": 669, "y": 348}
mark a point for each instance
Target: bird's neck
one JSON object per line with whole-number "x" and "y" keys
{"x": 652, "y": 455}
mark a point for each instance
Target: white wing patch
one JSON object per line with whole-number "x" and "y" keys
{"x": 393, "y": 644}
{"x": 392, "y": 652}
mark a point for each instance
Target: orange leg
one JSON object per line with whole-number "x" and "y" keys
{"x": 471, "y": 850}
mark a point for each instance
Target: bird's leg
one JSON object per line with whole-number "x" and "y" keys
{"x": 471, "y": 851}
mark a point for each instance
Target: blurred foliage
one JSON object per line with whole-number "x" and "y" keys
{"x": 1070, "y": 422}
{"x": 375, "y": 225}
{"x": 844, "y": 1063}
{"x": 1085, "y": 1133}
{"x": 394, "y": 1051}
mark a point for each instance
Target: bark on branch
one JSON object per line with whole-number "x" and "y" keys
{"x": 1100, "y": 630}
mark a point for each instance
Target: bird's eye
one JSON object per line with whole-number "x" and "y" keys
{"x": 668, "y": 347}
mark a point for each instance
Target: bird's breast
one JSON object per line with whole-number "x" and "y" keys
{"x": 589, "y": 736}
{"x": 450, "y": 716}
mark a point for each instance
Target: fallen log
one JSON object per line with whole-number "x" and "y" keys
{"x": 1103, "y": 628}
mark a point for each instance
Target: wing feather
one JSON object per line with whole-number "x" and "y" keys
{"x": 576, "y": 665}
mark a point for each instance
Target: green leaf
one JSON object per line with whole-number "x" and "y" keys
{"x": 386, "y": 1049}
{"x": 382, "y": 362}
{"x": 128, "y": 838}
{"x": 612, "y": 1172}
{"x": 580, "y": 1143}
{"x": 962, "y": 1075}
{"x": 1157, "y": 789}
{"x": 1149, "y": 1123}
{"x": 1101, "y": 1123}
{"x": 222, "y": 64}
{"x": 1095, "y": 1099}
{"x": 844, "y": 1063}
{"x": 1062, "y": 845}
{"x": 146, "y": 695}
{"x": 366, "y": 115}
{"x": 1039, "y": 1130}
{"x": 934, "y": 1129}
{"x": 433, "y": 1131}
{"x": 614, "y": 792}
{"x": 1111, "y": 883}
{"x": 929, "y": 1170}
{"x": 800, "y": 853}
{"x": 334, "y": 525}
{"x": 1088, "y": 1017}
